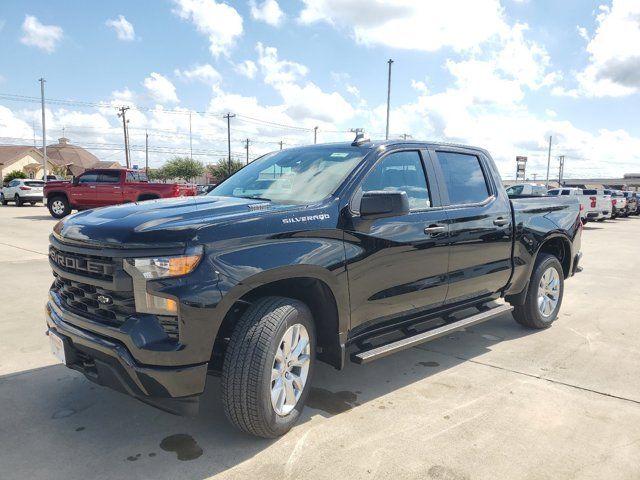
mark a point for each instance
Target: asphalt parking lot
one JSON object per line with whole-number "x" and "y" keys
{"x": 494, "y": 401}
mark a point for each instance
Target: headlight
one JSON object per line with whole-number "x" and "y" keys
{"x": 156, "y": 268}
{"x": 166, "y": 267}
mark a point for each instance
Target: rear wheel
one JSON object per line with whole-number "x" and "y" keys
{"x": 544, "y": 294}
{"x": 17, "y": 199}
{"x": 58, "y": 207}
{"x": 268, "y": 366}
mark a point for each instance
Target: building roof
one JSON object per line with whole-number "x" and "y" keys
{"x": 107, "y": 164}
{"x": 77, "y": 159}
{"x": 12, "y": 153}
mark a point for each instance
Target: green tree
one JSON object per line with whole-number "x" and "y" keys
{"x": 183, "y": 167}
{"x": 158, "y": 174}
{"x": 220, "y": 170}
{"x": 13, "y": 175}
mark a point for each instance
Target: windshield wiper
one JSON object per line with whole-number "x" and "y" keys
{"x": 253, "y": 197}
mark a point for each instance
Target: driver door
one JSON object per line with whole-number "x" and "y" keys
{"x": 83, "y": 193}
{"x": 402, "y": 262}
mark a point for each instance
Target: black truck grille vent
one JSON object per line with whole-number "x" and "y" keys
{"x": 103, "y": 306}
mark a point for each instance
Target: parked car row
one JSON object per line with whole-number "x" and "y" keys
{"x": 595, "y": 204}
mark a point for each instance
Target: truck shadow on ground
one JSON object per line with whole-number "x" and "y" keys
{"x": 56, "y": 424}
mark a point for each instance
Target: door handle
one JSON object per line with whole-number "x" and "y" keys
{"x": 501, "y": 222}
{"x": 435, "y": 229}
{"x": 92, "y": 186}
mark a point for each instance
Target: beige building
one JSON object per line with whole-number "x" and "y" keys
{"x": 63, "y": 158}
{"x": 22, "y": 158}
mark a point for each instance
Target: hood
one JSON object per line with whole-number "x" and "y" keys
{"x": 164, "y": 222}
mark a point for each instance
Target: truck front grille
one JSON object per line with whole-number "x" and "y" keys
{"x": 93, "y": 266}
{"x": 104, "y": 306}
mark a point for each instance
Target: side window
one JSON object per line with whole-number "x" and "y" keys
{"x": 88, "y": 178}
{"x": 401, "y": 171}
{"x": 109, "y": 177}
{"x": 566, "y": 192}
{"x": 463, "y": 177}
{"x": 131, "y": 178}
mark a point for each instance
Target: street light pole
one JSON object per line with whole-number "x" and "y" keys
{"x": 548, "y": 163}
{"x": 315, "y": 135}
{"x": 388, "y": 99}
{"x": 229, "y": 116}
{"x": 44, "y": 132}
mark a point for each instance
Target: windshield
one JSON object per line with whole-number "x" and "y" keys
{"x": 515, "y": 190}
{"x": 300, "y": 176}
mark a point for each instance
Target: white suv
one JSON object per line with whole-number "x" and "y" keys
{"x": 21, "y": 191}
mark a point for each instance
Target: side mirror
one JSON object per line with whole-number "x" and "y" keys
{"x": 382, "y": 204}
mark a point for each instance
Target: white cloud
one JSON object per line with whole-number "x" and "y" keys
{"x": 407, "y": 24}
{"x": 123, "y": 28}
{"x": 221, "y": 23}
{"x": 160, "y": 88}
{"x": 614, "y": 58}
{"x": 277, "y": 71}
{"x": 248, "y": 69}
{"x": 203, "y": 73}
{"x": 44, "y": 37}
{"x": 267, "y": 11}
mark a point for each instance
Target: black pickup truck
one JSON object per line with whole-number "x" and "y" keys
{"x": 336, "y": 252}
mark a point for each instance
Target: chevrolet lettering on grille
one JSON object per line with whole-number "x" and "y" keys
{"x": 78, "y": 264}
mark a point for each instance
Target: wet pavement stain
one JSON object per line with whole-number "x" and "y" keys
{"x": 428, "y": 364}
{"x": 65, "y": 412}
{"x": 185, "y": 447}
{"x": 79, "y": 429}
{"x": 133, "y": 458}
{"x": 332, "y": 403}
{"x": 152, "y": 454}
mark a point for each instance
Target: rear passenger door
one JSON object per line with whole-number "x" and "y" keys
{"x": 108, "y": 188}
{"x": 480, "y": 226}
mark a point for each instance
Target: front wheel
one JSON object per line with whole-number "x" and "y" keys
{"x": 544, "y": 294}
{"x": 268, "y": 366}
{"x": 58, "y": 207}
{"x": 2, "y": 199}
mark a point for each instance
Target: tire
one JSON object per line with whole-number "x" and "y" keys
{"x": 33, "y": 204}
{"x": 17, "y": 199}
{"x": 58, "y": 207}
{"x": 2, "y": 199}
{"x": 529, "y": 314}
{"x": 248, "y": 367}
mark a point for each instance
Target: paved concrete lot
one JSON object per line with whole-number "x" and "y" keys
{"x": 495, "y": 401}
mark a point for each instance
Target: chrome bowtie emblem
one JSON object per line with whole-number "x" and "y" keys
{"x": 103, "y": 299}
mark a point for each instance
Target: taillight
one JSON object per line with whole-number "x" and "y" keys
{"x": 25, "y": 188}
{"x": 613, "y": 201}
{"x": 593, "y": 202}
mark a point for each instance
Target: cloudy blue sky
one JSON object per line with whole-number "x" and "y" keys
{"x": 502, "y": 74}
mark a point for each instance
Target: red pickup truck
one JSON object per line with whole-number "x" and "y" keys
{"x": 100, "y": 188}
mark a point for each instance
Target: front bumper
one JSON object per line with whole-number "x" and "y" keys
{"x": 109, "y": 363}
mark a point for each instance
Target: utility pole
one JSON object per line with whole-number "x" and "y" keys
{"x": 246, "y": 146}
{"x": 548, "y": 163}
{"x": 560, "y": 170}
{"x": 123, "y": 111}
{"x": 388, "y": 99}
{"x": 190, "y": 139}
{"x": 405, "y": 136}
{"x": 315, "y": 135}
{"x": 44, "y": 133}
{"x": 146, "y": 152}
{"x": 535, "y": 177}
{"x": 280, "y": 144}
{"x": 229, "y": 116}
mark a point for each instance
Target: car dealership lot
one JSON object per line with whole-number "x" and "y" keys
{"x": 495, "y": 401}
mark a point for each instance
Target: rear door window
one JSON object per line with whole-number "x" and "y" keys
{"x": 463, "y": 177}
{"x": 34, "y": 184}
{"x": 109, "y": 177}
{"x": 566, "y": 192}
{"x": 88, "y": 178}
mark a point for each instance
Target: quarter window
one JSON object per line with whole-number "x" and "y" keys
{"x": 109, "y": 177}
{"x": 401, "y": 171}
{"x": 463, "y": 177}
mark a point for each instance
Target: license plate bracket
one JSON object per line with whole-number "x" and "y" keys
{"x": 57, "y": 344}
